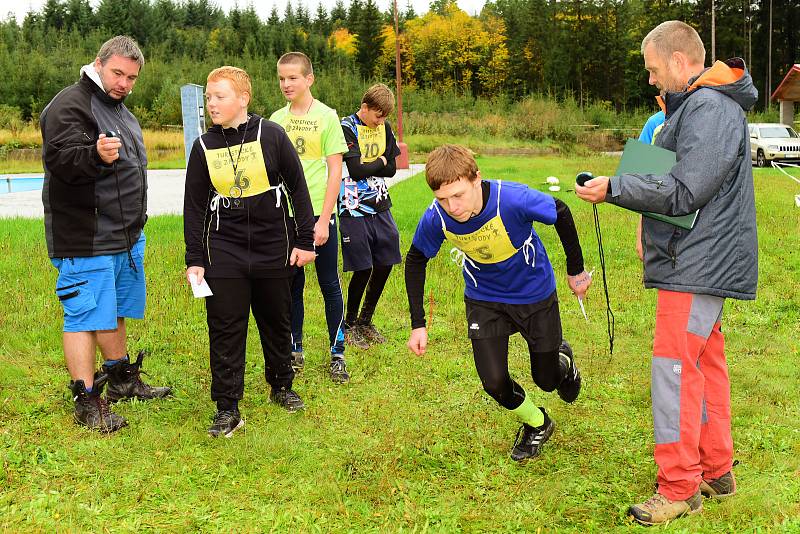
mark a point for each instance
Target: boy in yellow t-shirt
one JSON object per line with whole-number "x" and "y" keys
{"x": 317, "y": 137}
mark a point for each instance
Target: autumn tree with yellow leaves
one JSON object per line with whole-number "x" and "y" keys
{"x": 454, "y": 51}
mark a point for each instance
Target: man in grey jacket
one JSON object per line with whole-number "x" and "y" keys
{"x": 693, "y": 270}
{"x": 94, "y": 197}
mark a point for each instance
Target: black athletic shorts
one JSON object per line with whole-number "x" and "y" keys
{"x": 369, "y": 240}
{"x": 539, "y": 323}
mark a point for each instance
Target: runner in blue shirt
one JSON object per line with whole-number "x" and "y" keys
{"x": 509, "y": 282}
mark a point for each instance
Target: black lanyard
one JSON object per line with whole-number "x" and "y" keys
{"x": 581, "y": 179}
{"x": 236, "y": 189}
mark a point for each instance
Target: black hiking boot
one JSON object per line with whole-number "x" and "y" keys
{"x": 91, "y": 409}
{"x": 529, "y": 440}
{"x": 570, "y": 385}
{"x": 125, "y": 382}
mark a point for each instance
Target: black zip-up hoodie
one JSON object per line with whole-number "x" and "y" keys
{"x": 91, "y": 208}
{"x": 254, "y": 240}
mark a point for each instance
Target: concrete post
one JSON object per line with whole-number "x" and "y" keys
{"x": 194, "y": 117}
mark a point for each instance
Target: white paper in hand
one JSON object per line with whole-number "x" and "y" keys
{"x": 200, "y": 290}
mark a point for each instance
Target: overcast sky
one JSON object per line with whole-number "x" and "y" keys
{"x": 263, "y": 7}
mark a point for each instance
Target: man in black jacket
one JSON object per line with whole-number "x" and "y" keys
{"x": 94, "y": 195}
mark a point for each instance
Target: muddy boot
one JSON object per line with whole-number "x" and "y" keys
{"x": 658, "y": 509}
{"x": 125, "y": 382}
{"x": 91, "y": 409}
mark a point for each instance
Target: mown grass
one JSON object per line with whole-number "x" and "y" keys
{"x": 411, "y": 444}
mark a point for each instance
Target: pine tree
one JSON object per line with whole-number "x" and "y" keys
{"x": 368, "y": 40}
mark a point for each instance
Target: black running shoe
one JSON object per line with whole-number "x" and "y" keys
{"x": 570, "y": 385}
{"x": 287, "y": 398}
{"x": 298, "y": 361}
{"x": 92, "y": 410}
{"x": 530, "y": 439}
{"x": 339, "y": 372}
{"x": 225, "y": 423}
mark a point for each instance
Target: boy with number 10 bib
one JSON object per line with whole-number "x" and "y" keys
{"x": 370, "y": 239}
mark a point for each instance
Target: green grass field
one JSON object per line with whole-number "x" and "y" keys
{"x": 411, "y": 444}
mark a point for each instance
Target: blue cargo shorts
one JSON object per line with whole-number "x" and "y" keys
{"x": 95, "y": 290}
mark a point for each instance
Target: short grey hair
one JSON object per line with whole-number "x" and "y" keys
{"x": 676, "y": 36}
{"x": 123, "y": 46}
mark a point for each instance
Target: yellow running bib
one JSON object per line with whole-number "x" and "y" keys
{"x": 306, "y": 136}
{"x": 251, "y": 176}
{"x": 488, "y": 244}
{"x": 371, "y": 142}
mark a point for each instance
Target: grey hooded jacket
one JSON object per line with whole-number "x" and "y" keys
{"x": 706, "y": 127}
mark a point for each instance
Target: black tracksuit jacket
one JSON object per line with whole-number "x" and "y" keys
{"x": 91, "y": 208}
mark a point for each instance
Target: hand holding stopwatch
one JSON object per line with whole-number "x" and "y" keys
{"x": 583, "y": 177}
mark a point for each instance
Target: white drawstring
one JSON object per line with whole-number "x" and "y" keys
{"x": 226, "y": 202}
{"x": 529, "y": 251}
{"x": 461, "y": 259}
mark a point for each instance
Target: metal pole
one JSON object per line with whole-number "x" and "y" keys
{"x": 397, "y": 71}
{"x": 769, "y": 61}
{"x": 713, "y": 33}
{"x": 402, "y": 159}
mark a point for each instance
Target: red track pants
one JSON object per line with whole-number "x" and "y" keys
{"x": 690, "y": 393}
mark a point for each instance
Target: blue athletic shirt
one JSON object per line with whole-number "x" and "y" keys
{"x": 654, "y": 123}
{"x": 524, "y": 278}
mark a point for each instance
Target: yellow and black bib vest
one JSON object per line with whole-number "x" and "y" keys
{"x": 250, "y": 179}
{"x": 488, "y": 244}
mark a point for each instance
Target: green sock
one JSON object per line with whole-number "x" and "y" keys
{"x": 529, "y": 413}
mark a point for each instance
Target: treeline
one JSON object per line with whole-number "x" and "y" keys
{"x": 582, "y": 50}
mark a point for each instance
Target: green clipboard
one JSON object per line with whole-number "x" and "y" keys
{"x": 641, "y": 158}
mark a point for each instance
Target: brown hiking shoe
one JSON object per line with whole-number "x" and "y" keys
{"x": 719, "y": 488}
{"x": 355, "y": 337}
{"x": 125, "y": 382}
{"x": 370, "y": 333}
{"x": 658, "y": 509}
{"x": 91, "y": 409}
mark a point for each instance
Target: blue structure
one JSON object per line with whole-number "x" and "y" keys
{"x": 194, "y": 117}
{"x": 16, "y": 184}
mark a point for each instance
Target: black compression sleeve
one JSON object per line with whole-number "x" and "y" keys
{"x": 389, "y": 170}
{"x": 416, "y": 262}
{"x": 360, "y": 170}
{"x": 568, "y": 234}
